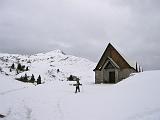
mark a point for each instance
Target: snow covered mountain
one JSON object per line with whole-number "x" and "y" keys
{"x": 47, "y": 64}
{"x": 135, "y": 98}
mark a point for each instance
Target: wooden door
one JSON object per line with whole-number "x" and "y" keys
{"x": 112, "y": 77}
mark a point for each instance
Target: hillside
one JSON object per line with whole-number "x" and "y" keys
{"x": 47, "y": 64}
{"x": 135, "y": 98}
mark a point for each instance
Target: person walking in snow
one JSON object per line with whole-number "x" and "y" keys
{"x": 77, "y": 86}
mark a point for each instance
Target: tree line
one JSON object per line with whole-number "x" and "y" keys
{"x": 21, "y": 68}
{"x": 29, "y": 79}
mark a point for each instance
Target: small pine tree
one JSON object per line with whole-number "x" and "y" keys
{"x": 136, "y": 67}
{"x": 32, "y": 79}
{"x": 27, "y": 68}
{"x": 25, "y": 77}
{"x": 10, "y": 70}
{"x": 17, "y": 71}
{"x": 39, "y": 80}
{"x": 19, "y": 67}
{"x": 28, "y": 61}
{"x": 139, "y": 68}
{"x": 57, "y": 70}
{"x": 0, "y": 69}
{"x": 22, "y": 67}
{"x": 13, "y": 67}
{"x": 70, "y": 78}
{"x": 142, "y": 69}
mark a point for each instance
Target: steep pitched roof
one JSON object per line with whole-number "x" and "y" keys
{"x": 112, "y": 62}
{"x": 113, "y": 54}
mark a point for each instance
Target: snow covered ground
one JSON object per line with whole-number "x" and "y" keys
{"x": 136, "y": 98}
{"x": 46, "y": 65}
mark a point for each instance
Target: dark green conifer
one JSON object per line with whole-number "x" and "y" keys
{"x": 32, "y": 79}
{"x": 23, "y": 68}
{"x": 139, "y": 68}
{"x": 70, "y": 78}
{"x": 25, "y": 77}
{"x": 39, "y": 80}
{"x": 27, "y": 68}
{"x": 13, "y": 67}
{"x": 136, "y": 67}
{"x": 19, "y": 67}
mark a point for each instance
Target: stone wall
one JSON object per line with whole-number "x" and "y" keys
{"x": 98, "y": 76}
{"x": 125, "y": 73}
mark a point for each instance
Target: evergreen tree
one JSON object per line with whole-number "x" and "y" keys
{"x": 19, "y": 67}
{"x": 139, "y": 68}
{"x": 10, "y": 70}
{"x": 39, "y": 80}
{"x": 17, "y": 71}
{"x": 136, "y": 67}
{"x": 13, "y": 67}
{"x": 32, "y": 79}
{"x": 25, "y": 77}
{"x": 27, "y": 68}
{"x": 22, "y": 67}
{"x": 0, "y": 69}
{"x": 70, "y": 78}
{"x": 57, "y": 70}
{"x": 28, "y": 61}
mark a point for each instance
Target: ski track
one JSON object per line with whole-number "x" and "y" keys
{"x": 10, "y": 91}
{"x": 28, "y": 113}
{"x": 147, "y": 115}
{"x": 59, "y": 110}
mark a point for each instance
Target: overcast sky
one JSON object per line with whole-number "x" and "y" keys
{"x": 82, "y": 28}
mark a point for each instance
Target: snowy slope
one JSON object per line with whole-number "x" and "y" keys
{"x": 9, "y": 84}
{"x": 136, "y": 98}
{"x": 46, "y": 65}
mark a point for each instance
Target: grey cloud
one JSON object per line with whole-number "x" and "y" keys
{"x": 82, "y": 27}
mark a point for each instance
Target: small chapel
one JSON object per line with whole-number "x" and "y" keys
{"x": 112, "y": 67}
